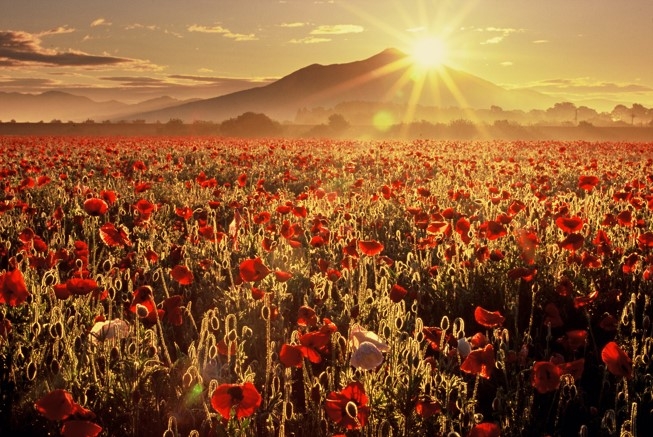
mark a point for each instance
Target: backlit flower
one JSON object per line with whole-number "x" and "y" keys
{"x": 619, "y": 364}
{"x": 348, "y": 407}
{"x": 243, "y": 399}
{"x": 366, "y": 356}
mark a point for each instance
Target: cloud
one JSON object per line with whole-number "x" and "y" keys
{"x": 337, "y": 29}
{"x": 26, "y": 83}
{"x": 506, "y": 64}
{"x": 293, "y": 25}
{"x": 503, "y": 32}
{"x": 56, "y": 31}
{"x": 222, "y": 31}
{"x": 100, "y": 22}
{"x": 541, "y": 41}
{"x": 588, "y": 86}
{"x": 309, "y": 40}
{"x": 136, "y": 81}
{"x": 221, "y": 80}
{"x": 21, "y": 49}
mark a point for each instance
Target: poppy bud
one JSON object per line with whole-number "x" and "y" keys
{"x": 141, "y": 311}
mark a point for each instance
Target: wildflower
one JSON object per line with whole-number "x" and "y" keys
{"x": 106, "y": 330}
{"x": 95, "y": 207}
{"x": 546, "y": 376}
{"x": 397, "y": 293}
{"x": 370, "y": 248}
{"x": 56, "y": 405}
{"x": 291, "y": 356}
{"x": 306, "y": 316}
{"x": 114, "y": 236}
{"x": 569, "y": 224}
{"x": 485, "y": 429}
{"x": 13, "y": 290}
{"x": 426, "y": 407}
{"x": 252, "y": 270}
{"x": 182, "y": 274}
{"x": 487, "y": 318}
{"x": 243, "y": 399}
{"x": 80, "y": 428}
{"x": 358, "y": 335}
{"x": 366, "y": 356}
{"x": 480, "y": 362}
{"x": 619, "y": 364}
{"x": 348, "y": 407}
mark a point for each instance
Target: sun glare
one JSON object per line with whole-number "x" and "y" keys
{"x": 429, "y": 52}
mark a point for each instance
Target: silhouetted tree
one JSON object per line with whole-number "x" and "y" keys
{"x": 250, "y": 124}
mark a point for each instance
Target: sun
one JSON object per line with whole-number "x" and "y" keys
{"x": 429, "y": 52}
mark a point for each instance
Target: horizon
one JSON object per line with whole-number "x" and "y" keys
{"x": 140, "y": 53}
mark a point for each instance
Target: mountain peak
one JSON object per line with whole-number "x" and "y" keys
{"x": 390, "y": 54}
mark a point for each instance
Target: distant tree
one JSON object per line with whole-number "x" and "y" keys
{"x": 250, "y": 124}
{"x": 337, "y": 123}
{"x": 563, "y": 111}
{"x": 55, "y": 121}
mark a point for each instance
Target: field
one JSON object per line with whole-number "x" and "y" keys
{"x": 183, "y": 286}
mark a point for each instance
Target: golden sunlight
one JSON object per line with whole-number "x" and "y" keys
{"x": 429, "y": 52}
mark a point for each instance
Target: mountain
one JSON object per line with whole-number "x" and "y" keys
{"x": 58, "y": 105}
{"x": 387, "y": 77}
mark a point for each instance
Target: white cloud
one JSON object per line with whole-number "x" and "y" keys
{"x": 293, "y": 25}
{"x": 309, "y": 40}
{"x": 337, "y": 29}
{"x": 222, "y": 31}
{"x": 100, "y": 22}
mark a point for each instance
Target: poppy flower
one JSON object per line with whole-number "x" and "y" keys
{"x": 574, "y": 368}
{"x": 572, "y": 242}
{"x": 619, "y": 364}
{"x": 80, "y": 428}
{"x": 358, "y": 335}
{"x": 397, "y": 293}
{"x": 546, "y": 376}
{"x": 306, "y": 316}
{"x": 80, "y": 286}
{"x": 370, "y": 248}
{"x": 95, "y": 207}
{"x": 173, "y": 311}
{"x": 282, "y": 276}
{"x": 110, "y": 329}
{"x": 366, "y": 356}
{"x": 569, "y": 224}
{"x": 552, "y": 316}
{"x": 13, "y": 290}
{"x": 314, "y": 344}
{"x": 56, "y": 405}
{"x": 244, "y": 399}
{"x": 528, "y": 242}
{"x": 494, "y": 230}
{"x": 574, "y": 339}
{"x": 182, "y": 274}
{"x": 252, "y": 270}
{"x": 480, "y": 362}
{"x": 241, "y": 180}
{"x": 114, "y": 236}
{"x": 587, "y": 183}
{"x": 426, "y": 407}
{"x": 489, "y": 319}
{"x": 645, "y": 240}
{"x": 348, "y": 407}
{"x": 485, "y": 429}
{"x": 291, "y": 356}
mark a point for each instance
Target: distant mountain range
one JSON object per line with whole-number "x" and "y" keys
{"x": 387, "y": 77}
{"x": 58, "y": 105}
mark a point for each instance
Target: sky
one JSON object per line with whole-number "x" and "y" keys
{"x": 578, "y": 50}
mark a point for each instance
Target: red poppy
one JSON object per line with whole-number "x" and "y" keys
{"x": 489, "y": 319}
{"x": 485, "y": 429}
{"x": 291, "y": 356}
{"x": 182, "y": 274}
{"x": 108, "y": 196}
{"x": 574, "y": 339}
{"x": 572, "y": 242}
{"x": 462, "y": 228}
{"x": 173, "y": 311}
{"x": 370, "y": 247}
{"x": 252, "y": 270}
{"x": 242, "y": 180}
{"x": 13, "y": 290}
{"x": 183, "y": 212}
{"x": 95, "y": 207}
{"x": 569, "y": 224}
{"x": 625, "y": 218}
{"x": 427, "y": 407}
{"x": 480, "y": 362}
{"x": 494, "y": 230}
{"x": 314, "y": 344}
{"x": 630, "y": 262}
{"x": 574, "y": 368}
{"x": 243, "y": 399}
{"x": 80, "y": 286}
{"x": 645, "y": 240}
{"x": 581, "y": 301}
{"x": 56, "y": 405}
{"x": 528, "y": 242}
{"x": 587, "y": 183}
{"x": 619, "y": 364}
{"x": 282, "y": 276}
{"x": 348, "y": 407}
{"x": 306, "y": 316}
{"x": 80, "y": 428}
{"x": 552, "y": 316}
{"x": 397, "y": 293}
{"x": 525, "y": 273}
{"x": 114, "y": 236}
{"x": 546, "y": 376}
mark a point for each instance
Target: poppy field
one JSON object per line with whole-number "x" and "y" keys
{"x": 271, "y": 287}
